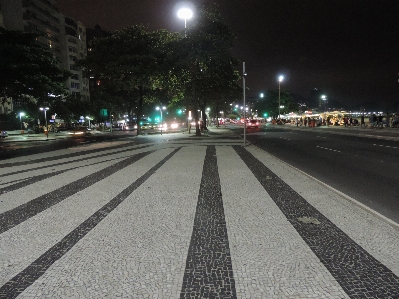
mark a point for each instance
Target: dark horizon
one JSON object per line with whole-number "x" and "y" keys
{"x": 349, "y": 50}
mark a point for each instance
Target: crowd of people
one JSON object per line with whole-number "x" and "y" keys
{"x": 374, "y": 121}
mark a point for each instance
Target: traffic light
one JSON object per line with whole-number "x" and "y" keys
{"x": 265, "y": 114}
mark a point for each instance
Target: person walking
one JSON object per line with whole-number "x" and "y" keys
{"x": 380, "y": 121}
{"x": 374, "y": 119}
{"x": 362, "y": 124}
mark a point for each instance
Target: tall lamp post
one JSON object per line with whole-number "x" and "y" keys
{"x": 185, "y": 14}
{"x": 160, "y": 109}
{"x": 244, "y": 74}
{"x": 45, "y": 117}
{"x": 324, "y": 98}
{"x": 280, "y": 79}
{"x": 20, "y": 118}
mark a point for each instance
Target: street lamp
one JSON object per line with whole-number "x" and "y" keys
{"x": 324, "y": 98}
{"x": 45, "y": 117}
{"x": 185, "y": 14}
{"x": 160, "y": 109}
{"x": 89, "y": 119}
{"x": 20, "y": 118}
{"x": 244, "y": 74}
{"x": 280, "y": 79}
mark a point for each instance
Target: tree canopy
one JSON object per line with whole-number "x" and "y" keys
{"x": 270, "y": 103}
{"x": 144, "y": 67}
{"x": 28, "y": 69}
{"x": 130, "y": 63}
{"x": 204, "y": 65}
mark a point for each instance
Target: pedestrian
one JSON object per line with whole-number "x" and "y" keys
{"x": 297, "y": 122}
{"x": 362, "y": 124}
{"x": 379, "y": 121}
{"x": 305, "y": 121}
{"x": 328, "y": 120}
{"x": 374, "y": 119}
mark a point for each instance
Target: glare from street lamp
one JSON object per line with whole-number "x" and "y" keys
{"x": 280, "y": 79}
{"x": 185, "y": 14}
{"x": 45, "y": 117}
{"x": 20, "y": 118}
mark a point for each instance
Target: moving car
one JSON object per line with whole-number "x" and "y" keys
{"x": 3, "y": 134}
{"x": 252, "y": 123}
{"x": 79, "y": 131}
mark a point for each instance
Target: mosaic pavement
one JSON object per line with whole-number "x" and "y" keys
{"x": 184, "y": 218}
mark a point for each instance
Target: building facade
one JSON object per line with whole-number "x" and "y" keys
{"x": 62, "y": 35}
{"x": 74, "y": 48}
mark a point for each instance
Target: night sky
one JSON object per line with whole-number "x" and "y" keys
{"x": 347, "y": 49}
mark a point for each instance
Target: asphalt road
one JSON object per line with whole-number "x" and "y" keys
{"x": 13, "y": 147}
{"x": 362, "y": 163}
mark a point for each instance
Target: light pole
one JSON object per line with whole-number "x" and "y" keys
{"x": 280, "y": 79}
{"x": 160, "y": 109}
{"x": 185, "y": 14}
{"x": 20, "y": 118}
{"x": 324, "y": 98}
{"x": 89, "y": 119}
{"x": 244, "y": 74}
{"x": 45, "y": 117}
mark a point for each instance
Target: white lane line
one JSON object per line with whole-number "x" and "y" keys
{"x": 385, "y": 145}
{"x": 329, "y": 149}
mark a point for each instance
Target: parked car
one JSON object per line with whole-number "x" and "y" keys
{"x": 4, "y": 134}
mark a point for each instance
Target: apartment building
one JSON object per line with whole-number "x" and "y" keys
{"x": 62, "y": 35}
{"x": 74, "y": 48}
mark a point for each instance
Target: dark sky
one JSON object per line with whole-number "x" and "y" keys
{"x": 348, "y": 49}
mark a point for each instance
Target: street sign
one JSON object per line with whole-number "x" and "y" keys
{"x": 104, "y": 112}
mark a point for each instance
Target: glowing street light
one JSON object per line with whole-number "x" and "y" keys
{"x": 89, "y": 119}
{"x": 280, "y": 79}
{"x": 160, "y": 109}
{"x": 45, "y": 117}
{"x": 185, "y": 14}
{"x": 20, "y": 118}
{"x": 324, "y": 98}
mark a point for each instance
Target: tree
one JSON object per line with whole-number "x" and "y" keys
{"x": 269, "y": 104}
{"x": 204, "y": 65}
{"x": 28, "y": 70}
{"x": 130, "y": 63}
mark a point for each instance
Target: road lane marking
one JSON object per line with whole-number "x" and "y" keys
{"x": 329, "y": 149}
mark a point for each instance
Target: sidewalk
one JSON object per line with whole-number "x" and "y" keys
{"x": 151, "y": 220}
